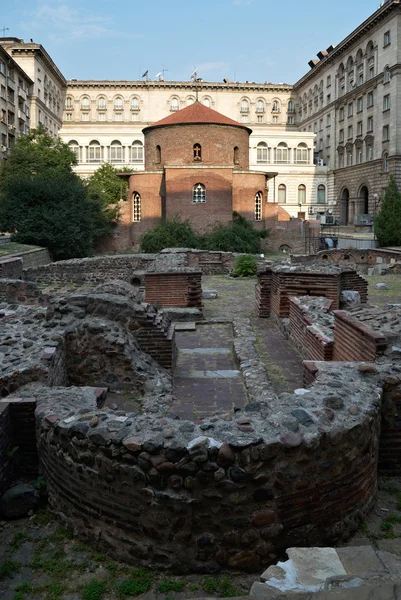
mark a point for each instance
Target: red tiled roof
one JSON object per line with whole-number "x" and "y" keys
{"x": 196, "y": 113}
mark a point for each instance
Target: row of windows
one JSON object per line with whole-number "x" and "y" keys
{"x": 174, "y": 104}
{"x": 116, "y": 151}
{"x": 198, "y": 197}
{"x": 346, "y": 159}
{"x": 301, "y": 196}
{"x": 281, "y": 154}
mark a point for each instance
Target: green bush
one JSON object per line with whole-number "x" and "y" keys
{"x": 239, "y": 236}
{"x": 171, "y": 234}
{"x": 245, "y": 266}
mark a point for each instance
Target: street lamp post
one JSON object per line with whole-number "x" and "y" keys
{"x": 377, "y": 201}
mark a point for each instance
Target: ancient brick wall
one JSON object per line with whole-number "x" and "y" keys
{"x": 6, "y": 445}
{"x": 245, "y": 187}
{"x": 211, "y": 263}
{"x": 11, "y": 268}
{"x": 349, "y": 256}
{"x": 350, "y": 280}
{"x": 390, "y": 436}
{"x": 149, "y": 186}
{"x": 311, "y": 339}
{"x": 263, "y": 293}
{"x": 353, "y": 341}
{"x": 284, "y": 285}
{"x": 174, "y": 288}
{"x": 202, "y": 216}
{"x": 177, "y": 142}
{"x": 197, "y": 508}
{"x": 23, "y": 292}
{"x": 94, "y": 270}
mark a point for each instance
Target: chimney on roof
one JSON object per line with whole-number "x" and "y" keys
{"x": 322, "y": 54}
{"x": 312, "y": 63}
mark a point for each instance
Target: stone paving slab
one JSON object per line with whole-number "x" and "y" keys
{"x": 204, "y": 397}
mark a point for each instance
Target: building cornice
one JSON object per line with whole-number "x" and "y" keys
{"x": 178, "y": 85}
{"x": 381, "y": 13}
{"x": 37, "y": 49}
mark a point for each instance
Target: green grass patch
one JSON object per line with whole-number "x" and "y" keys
{"x": 12, "y": 247}
{"x": 8, "y": 568}
{"x": 139, "y": 583}
{"x": 94, "y": 590}
{"x": 171, "y": 585}
{"x": 221, "y": 587}
{"x": 18, "y": 539}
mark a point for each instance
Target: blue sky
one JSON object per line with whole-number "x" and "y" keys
{"x": 254, "y": 40}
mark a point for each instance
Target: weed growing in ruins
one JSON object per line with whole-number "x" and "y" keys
{"x": 94, "y": 590}
{"x": 43, "y": 517}
{"x": 222, "y": 588}
{"x": 245, "y": 266}
{"x": 171, "y": 585}
{"x": 24, "y": 588}
{"x": 139, "y": 583}
{"x": 8, "y": 568}
{"x": 18, "y": 539}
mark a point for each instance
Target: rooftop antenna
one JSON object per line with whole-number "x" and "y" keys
{"x": 4, "y": 29}
{"x": 160, "y": 75}
{"x": 193, "y": 77}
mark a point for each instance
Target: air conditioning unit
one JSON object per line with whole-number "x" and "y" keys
{"x": 327, "y": 219}
{"x": 319, "y": 162}
{"x": 4, "y": 148}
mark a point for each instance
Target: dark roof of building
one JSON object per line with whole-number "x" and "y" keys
{"x": 197, "y": 113}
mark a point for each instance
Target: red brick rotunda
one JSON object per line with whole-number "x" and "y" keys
{"x": 197, "y": 168}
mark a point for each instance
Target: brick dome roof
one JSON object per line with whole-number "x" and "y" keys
{"x": 197, "y": 113}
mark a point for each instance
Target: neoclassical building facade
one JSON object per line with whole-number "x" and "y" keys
{"x": 350, "y": 101}
{"x": 332, "y": 138}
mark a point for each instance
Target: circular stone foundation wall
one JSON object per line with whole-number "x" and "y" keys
{"x": 224, "y": 494}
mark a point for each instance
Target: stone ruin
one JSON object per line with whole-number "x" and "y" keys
{"x": 231, "y": 491}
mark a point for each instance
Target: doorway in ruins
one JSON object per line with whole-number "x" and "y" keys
{"x": 345, "y": 207}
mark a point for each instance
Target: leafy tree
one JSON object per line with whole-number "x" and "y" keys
{"x": 105, "y": 188}
{"x": 171, "y": 234}
{"x": 387, "y": 224}
{"x": 43, "y": 202}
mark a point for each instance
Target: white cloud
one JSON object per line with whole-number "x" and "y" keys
{"x": 65, "y": 23}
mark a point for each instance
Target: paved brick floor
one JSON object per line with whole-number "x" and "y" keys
{"x": 206, "y": 379}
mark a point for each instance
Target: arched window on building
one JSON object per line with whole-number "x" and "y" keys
{"x": 116, "y": 152}
{"x": 261, "y": 152}
{"x": 94, "y": 152}
{"x": 282, "y": 194}
{"x": 276, "y": 106}
{"x": 385, "y": 162}
{"x": 136, "y": 207}
{"x": 260, "y": 106}
{"x": 197, "y": 152}
{"x": 190, "y": 100}
{"x": 258, "y": 206}
{"x": 68, "y": 102}
{"x": 291, "y": 106}
{"x": 236, "y": 155}
{"x": 137, "y": 151}
{"x": 282, "y": 153}
{"x": 244, "y": 106}
{"x": 74, "y": 147}
{"x": 101, "y": 103}
{"x": 158, "y": 154}
{"x": 174, "y": 105}
{"x": 199, "y": 193}
{"x": 135, "y": 104}
{"x": 321, "y": 194}
{"x": 302, "y": 153}
{"x": 387, "y": 75}
{"x": 301, "y": 194}
{"x": 85, "y": 103}
{"x": 118, "y": 103}
{"x": 206, "y": 102}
